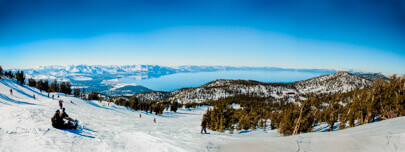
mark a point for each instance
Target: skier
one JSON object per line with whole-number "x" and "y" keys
{"x": 11, "y": 91}
{"x": 140, "y": 116}
{"x": 60, "y": 104}
{"x": 48, "y": 94}
{"x": 154, "y": 120}
{"x": 203, "y": 127}
{"x": 33, "y": 96}
{"x": 58, "y": 96}
{"x": 53, "y": 96}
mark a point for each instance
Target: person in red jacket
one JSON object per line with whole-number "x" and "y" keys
{"x": 11, "y": 91}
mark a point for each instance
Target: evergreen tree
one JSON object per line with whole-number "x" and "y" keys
{"x": 63, "y": 87}
{"x": 94, "y": 96}
{"x": 32, "y": 82}
{"x": 76, "y": 92}
{"x": 20, "y": 76}
{"x": 54, "y": 86}
{"x": 174, "y": 106}
{"x": 68, "y": 89}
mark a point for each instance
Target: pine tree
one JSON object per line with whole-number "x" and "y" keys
{"x": 54, "y": 86}
{"x": 68, "y": 89}
{"x": 63, "y": 87}
{"x": 174, "y": 106}
{"x": 76, "y": 92}
{"x": 32, "y": 82}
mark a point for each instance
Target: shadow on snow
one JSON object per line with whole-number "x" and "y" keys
{"x": 2, "y": 96}
{"x": 77, "y": 132}
{"x": 15, "y": 89}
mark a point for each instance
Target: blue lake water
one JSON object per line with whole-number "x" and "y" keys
{"x": 182, "y": 80}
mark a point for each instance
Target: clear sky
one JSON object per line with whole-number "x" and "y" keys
{"x": 365, "y": 35}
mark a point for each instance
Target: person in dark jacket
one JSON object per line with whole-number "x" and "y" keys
{"x": 60, "y": 104}
{"x": 56, "y": 119}
{"x": 204, "y": 127}
{"x": 64, "y": 115}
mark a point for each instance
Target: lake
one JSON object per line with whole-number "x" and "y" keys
{"x": 182, "y": 80}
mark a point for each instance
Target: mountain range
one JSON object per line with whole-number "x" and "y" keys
{"x": 104, "y": 78}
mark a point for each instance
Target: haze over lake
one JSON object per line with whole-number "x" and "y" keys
{"x": 182, "y": 80}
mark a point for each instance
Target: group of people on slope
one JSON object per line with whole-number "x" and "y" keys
{"x": 58, "y": 119}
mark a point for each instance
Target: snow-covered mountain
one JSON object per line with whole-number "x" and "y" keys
{"x": 332, "y": 83}
{"x": 25, "y": 126}
{"x": 95, "y": 77}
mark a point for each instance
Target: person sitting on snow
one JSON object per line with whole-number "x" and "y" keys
{"x": 56, "y": 119}
{"x": 64, "y": 115}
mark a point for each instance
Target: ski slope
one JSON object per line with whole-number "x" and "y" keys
{"x": 25, "y": 126}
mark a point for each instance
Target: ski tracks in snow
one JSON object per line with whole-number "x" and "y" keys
{"x": 303, "y": 144}
{"x": 392, "y": 141}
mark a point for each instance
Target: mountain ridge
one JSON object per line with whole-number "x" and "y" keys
{"x": 222, "y": 88}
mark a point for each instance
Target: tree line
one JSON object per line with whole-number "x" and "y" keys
{"x": 383, "y": 100}
{"x": 156, "y": 107}
{"x": 43, "y": 85}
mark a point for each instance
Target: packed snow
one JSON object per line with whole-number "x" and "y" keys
{"x": 25, "y": 126}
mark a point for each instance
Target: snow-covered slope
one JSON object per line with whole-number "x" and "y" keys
{"x": 388, "y": 136}
{"x": 332, "y": 83}
{"x": 25, "y": 126}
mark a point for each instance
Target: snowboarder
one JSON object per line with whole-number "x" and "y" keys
{"x": 140, "y": 116}
{"x": 60, "y": 104}
{"x": 204, "y": 127}
{"x": 154, "y": 120}
{"x": 11, "y": 91}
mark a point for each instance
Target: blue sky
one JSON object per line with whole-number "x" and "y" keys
{"x": 338, "y": 34}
